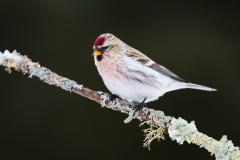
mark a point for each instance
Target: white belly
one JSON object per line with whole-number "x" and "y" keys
{"x": 133, "y": 85}
{"x": 132, "y": 89}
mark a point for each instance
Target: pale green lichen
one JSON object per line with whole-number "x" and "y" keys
{"x": 9, "y": 60}
{"x": 6, "y": 55}
{"x": 47, "y": 76}
{"x": 227, "y": 151}
{"x": 23, "y": 63}
{"x": 151, "y": 133}
{"x": 179, "y": 128}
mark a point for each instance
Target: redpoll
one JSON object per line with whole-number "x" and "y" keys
{"x": 130, "y": 74}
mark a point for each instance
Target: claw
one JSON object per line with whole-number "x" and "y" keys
{"x": 139, "y": 107}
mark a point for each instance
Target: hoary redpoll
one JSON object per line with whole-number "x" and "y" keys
{"x": 130, "y": 74}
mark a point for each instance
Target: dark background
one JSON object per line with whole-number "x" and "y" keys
{"x": 198, "y": 41}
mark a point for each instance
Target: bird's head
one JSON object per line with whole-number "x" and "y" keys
{"x": 106, "y": 47}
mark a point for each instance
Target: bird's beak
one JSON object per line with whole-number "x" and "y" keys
{"x": 96, "y": 53}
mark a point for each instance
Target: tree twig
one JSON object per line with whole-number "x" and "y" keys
{"x": 177, "y": 129}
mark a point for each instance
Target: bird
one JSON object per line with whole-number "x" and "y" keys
{"x": 130, "y": 74}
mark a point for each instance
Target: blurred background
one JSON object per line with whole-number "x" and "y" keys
{"x": 199, "y": 41}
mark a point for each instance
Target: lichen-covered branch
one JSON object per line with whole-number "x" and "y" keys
{"x": 180, "y": 130}
{"x": 177, "y": 129}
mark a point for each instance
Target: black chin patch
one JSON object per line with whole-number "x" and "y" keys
{"x": 99, "y": 58}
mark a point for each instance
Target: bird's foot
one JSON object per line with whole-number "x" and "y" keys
{"x": 113, "y": 97}
{"x": 139, "y": 107}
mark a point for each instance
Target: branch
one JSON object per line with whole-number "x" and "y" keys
{"x": 177, "y": 129}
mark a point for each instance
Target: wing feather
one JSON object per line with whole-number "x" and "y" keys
{"x": 166, "y": 72}
{"x": 145, "y": 61}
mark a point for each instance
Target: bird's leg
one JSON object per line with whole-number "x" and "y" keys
{"x": 139, "y": 107}
{"x": 113, "y": 97}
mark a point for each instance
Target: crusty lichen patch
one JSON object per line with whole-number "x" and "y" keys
{"x": 180, "y": 130}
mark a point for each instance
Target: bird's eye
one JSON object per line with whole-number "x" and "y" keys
{"x": 103, "y": 48}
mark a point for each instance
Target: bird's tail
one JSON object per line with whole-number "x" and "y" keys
{"x": 200, "y": 87}
{"x": 193, "y": 86}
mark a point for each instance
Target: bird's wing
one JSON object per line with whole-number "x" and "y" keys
{"x": 166, "y": 72}
{"x": 145, "y": 61}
